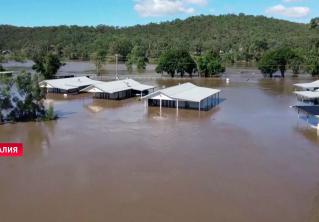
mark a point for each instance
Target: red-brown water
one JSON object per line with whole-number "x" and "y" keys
{"x": 248, "y": 160}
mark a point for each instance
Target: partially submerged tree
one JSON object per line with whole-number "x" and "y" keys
{"x": 259, "y": 47}
{"x": 21, "y": 99}
{"x": 99, "y": 59}
{"x": 120, "y": 46}
{"x": 210, "y": 64}
{"x": 295, "y": 64}
{"x": 46, "y": 64}
{"x": 278, "y": 60}
{"x": 137, "y": 57}
{"x": 268, "y": 64}
{"x": 176, "y": 61}
{"x": 312, "y": 63}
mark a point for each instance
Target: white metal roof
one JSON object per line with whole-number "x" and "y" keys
{"x": 117, "y": 86}
{"x": 185, "y": 92}
{"x": 308, "y": 94}
{"x": 6, "y": 72}
{"x": 67, "y": 83}
{"x": 310, "y": 85}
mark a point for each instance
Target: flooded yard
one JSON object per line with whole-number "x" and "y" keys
{"x": 250, "y": 159}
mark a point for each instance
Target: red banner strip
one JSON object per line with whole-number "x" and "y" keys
{"x": 11, "y": 149}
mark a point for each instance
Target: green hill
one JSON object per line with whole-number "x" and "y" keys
{"x": 239, "y": 36}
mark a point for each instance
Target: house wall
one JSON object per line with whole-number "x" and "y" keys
{"x": 115, "y": 96}
{"x": 205, "y": 105}
{"x": 119, "y": 95}
{"x": 60, "y": 91}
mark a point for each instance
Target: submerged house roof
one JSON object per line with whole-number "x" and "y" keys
{"x": 6, "y": 73}
{"x": 308, "y": 94}
{"x": 310, "y": 85}
{"x": 116, "y": 86}
{"x": 185, "y": 92}
{"x": 68, "y": 83}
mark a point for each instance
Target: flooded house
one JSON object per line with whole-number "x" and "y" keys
{"x": 5, "y": 74}
{"x": 119, "y": 89}
{"x": 308, "y": 102}
{"x": 312, "y": 86}
{"x": 185, "y": 96}
{"x": 67, "y": 85}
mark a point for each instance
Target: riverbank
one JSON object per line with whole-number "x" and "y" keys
{"x": 80, "y": 68}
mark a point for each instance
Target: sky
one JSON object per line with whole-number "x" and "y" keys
{"x": 132, "y": 12}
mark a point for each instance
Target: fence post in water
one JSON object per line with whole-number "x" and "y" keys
{"x": 160, "y": 107}
{"x": 176, "y": 107}
{"x": 116, "y": 67}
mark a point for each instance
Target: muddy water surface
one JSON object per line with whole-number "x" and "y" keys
{"x": 248, "y": 160}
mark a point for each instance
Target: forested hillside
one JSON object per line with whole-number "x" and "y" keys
{"x": 238, "y": 37}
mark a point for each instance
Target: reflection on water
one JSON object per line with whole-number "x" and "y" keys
{"x": 246, "y": 160}
{"x": 309, "y": 133}
{"x": 99, "y": 105}
{"x": 171, "y": 114}
{"x": 35, "y": 135}
{"x": 315, "y": 210}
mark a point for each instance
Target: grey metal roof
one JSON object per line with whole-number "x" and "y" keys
{"x": 186, "y": 92}
{"x": 117, "y": 86}
{"x": 310, "y": 85}
{"x": 308, "y": 94}
{"x": 67, "y": 83}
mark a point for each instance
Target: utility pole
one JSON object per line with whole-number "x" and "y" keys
{"x": 116, "y": 67}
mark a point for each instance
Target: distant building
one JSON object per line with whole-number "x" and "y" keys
{"x": 117, "y": 90}
{"x": 185, "y": 96}
{"x": 6, "y": 74}
{"x": 5, "y": 52}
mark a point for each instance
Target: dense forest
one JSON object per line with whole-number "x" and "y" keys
{"x": 238, "y": 37}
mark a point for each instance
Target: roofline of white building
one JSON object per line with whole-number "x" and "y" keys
{"x": 176, "y": 97}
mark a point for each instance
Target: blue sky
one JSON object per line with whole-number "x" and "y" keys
{"x": 131, "y": 12}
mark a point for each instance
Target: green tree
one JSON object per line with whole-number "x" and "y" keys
{"x": 5, "y": 97}
{"x": 137, "y": 57}
{"x": 210, "y": 64}
{"x": 46, "y": 64}
{"x": 99, "y": 59}
{"x": 277, "y": 60}
{"x": 176, "y": 61}
{"x": 268, "y": 64}
{"x": 259, "y": 47}
{"x": 28, "y": 105}
{"x": 50, "y": 114}
{"x": 296, "y": 62}
{"x": 312, "y": 63}
{"x": 120, "y": 46}
{"x": 314, "y": 23}
{"x": 21, "y": 99}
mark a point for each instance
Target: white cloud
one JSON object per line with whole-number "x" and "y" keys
{"x": 197, "y": 2}
{"x": 155, "y": 8}
{"x": 289, "y": 1}
{"x": 292, "y": 12}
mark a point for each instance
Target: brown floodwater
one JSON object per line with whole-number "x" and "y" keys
{"x": 248, "y": 160}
